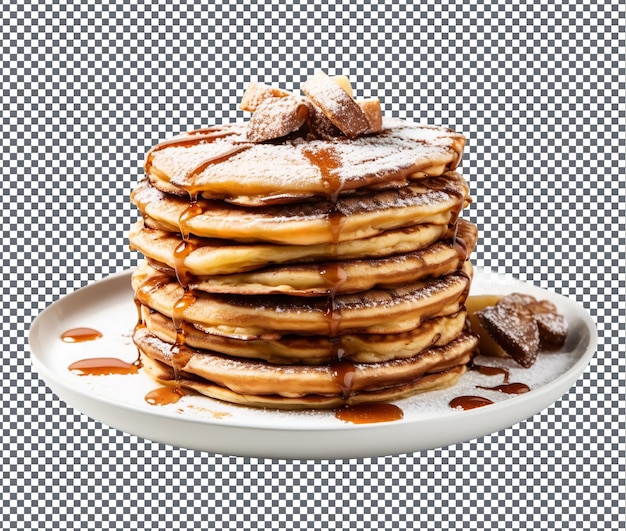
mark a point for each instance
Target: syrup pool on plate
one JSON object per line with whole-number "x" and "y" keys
{"x": 80, "y": 335}
{"x": 369, "y": 412}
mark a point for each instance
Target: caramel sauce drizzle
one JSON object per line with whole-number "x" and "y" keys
{"x": 181, "y": 252}
{"x": 189, "y": 213}
{"x": 178, "y": 315}
{"x": 184, "y": 277}
{"x": 163, "y": 396}
{"x": 103, "y": 366}
{"x": 195, "y": 207}
{"x": 343, "y": 372}
{"x": 216, "y": 159}
{"x": 192, "y": 138}
{"x": 80, "y": 335}
{"x": 334, "y": 276}
{"x": 328, "y": 163}
{"x": 336, "y": 221}
{"x": 332, "y": 273}
{"x": 187, "y": 300}
{"x": 140, "y": 322}
{"x": 369, "y": 412}
{"x": 150, "y": 285}
{"x": 515, "y": 388}
{"x": 100, "y": 365}
{"x": 489, "y": 370}
{"x": 146, "y": 287}
{"x": 469, "y": 402}
{"x": 186, "y": 246}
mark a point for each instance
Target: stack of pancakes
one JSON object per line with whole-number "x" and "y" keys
{"x": 304, "y": 271}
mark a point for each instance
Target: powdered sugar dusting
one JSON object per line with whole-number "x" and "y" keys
{"x": 432, "y": 134}
{"x": 277, "y": 117}
{"x": 333, "y": 95}
{"x": 402, "y": 146}
{"x": 145, "y": 194}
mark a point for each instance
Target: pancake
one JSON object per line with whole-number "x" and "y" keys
{"x": 374, "y": 311}
{"x": 205, "y": 257}
{"x": 220, "y": 162}
{"x": 337, "y": 380}
{"x": 165, "y": 375}
{"x": 441, "y": 258}
{"x": 435, "y": 200}
{"x": 313, "y": 279}
{"x": 311, "y": 350}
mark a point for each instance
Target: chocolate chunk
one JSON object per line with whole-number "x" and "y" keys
{"x": 552, "y": 328}
{"x": 518, "y": 302}
{"x": 320, "y": 126}
{"x": 257, "y": 93}
{"x": 513, "y": 330}
{"x": 277, "y": 117}
{"x": 336, "y": 104}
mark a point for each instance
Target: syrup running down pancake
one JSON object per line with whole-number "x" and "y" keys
{"x": 311, "y": 257}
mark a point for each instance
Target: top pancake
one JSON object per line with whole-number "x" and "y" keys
{"x": 220, "y": 162}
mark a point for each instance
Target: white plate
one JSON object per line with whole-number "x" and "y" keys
{"x": 197, "y": 422}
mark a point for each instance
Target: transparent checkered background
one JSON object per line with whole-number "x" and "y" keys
{"x": 539, "y": 88}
